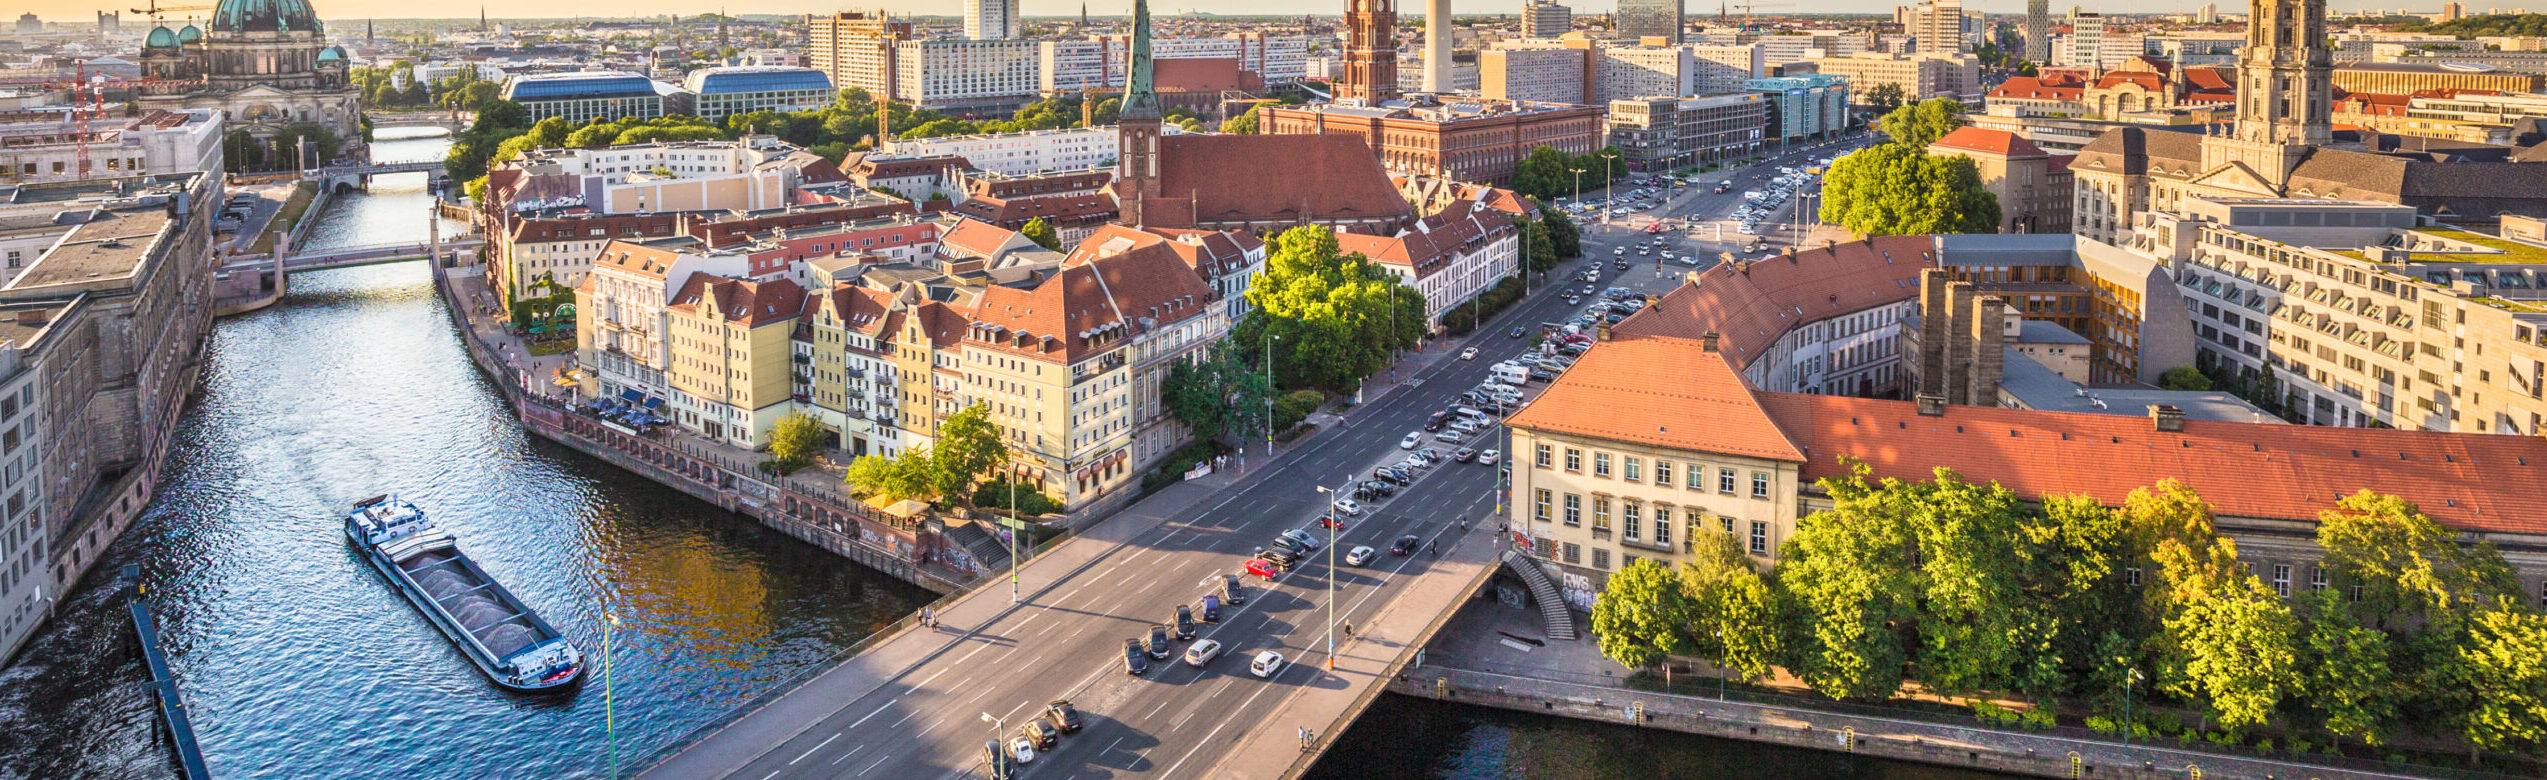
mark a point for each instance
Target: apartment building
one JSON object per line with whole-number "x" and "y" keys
{"x": 2034, "y": 188}
{"x": 1101, "y": 62}
{"x": 966, "y": 75}
{"x": 622, "y": 331}
{"x": 1546, "y": 19}
{"x": 753, "y": 174}
{"x": 1824, "y": 320}
{"x": 1450, "y": 256}
{"x": 1938, "y": 27}
{"x": 1802, "y": 108}
{"x": 1537, "y": 75}
{"x": 730, "y": 355}
{"x": 1716, "y": 70}
{"x": 856, "y": 50}
{"x": 1649, "y": 443}
{"x": 2402, "y": 78}
{"x": 1469, "y": 140}
{"x": 1664, "y": 133}
{"x": 1229, "y": 261}
{"x": 1021, "y": 153}
{"x": 1624, "y": 72}
{"x": 1921, "y": 76}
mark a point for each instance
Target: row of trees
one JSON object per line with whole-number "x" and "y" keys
{"x": 1547, "y": 174}
{"x": 1965, "y": 589}
{"x": 1897, "y": 188}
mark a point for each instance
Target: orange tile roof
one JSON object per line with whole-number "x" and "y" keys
{"x": 1998, "y": 142}
{"x": 1661, "y": 391}
{"x": 1432, "y": 242}
{"x": 1082, "y": 308}
{"x": 751, "y": 304}
{"x": 1752, "y": 303}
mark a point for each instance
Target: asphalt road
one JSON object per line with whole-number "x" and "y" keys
{"x": 1068, "y": 642}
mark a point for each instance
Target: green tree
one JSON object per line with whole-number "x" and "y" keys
{"x": 1562, "y": 232}
{"x": 1538, "y": 252}
{"x": 968, "y": 446}
{"x": 794, "y": 441}
{"x": 1642, "y": 616}
{"x": 2229, "y": 643}
{"x": 1217, "y": 396}
{"x": 2499, "y": 669}
{"x": 2184, "y": 378}
{"x": 1919, "y": 124}
{"x": 591, "y": 136}
{"x": 1734, "y": 620}
{"x": 1039, "y": 230}
{"x": 2347, "y": 685}
{"x": 1884, "y": 97}
{"x": 1333, "y": 318}
{"x": 2409, "y": 568}
{"x": 1243, "y": 124}
{"x": 550, "y": 133}
{"x": 1897, "y": 189}
{"x": 1972, "y": 547}
{"x": 288, "y": 140}
{"x": 904, "y": 476}
{"x": 1847, "y": 575}
{"x": 496, "y": 113}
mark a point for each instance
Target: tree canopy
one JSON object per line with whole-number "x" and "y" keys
{"x": 1900, "y": 190}
{"x": 1332, "y": 318}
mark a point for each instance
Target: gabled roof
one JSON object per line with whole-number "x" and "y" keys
{"x": 1431, "y": 243}
{"x": 1986, "y": 141}
{"x": 1749, "y": 304}
{"x": 751, "y": 304}
{"x": 1087, "y": 307}
{"x": 1290, "y": 178}
{"x": 1661, "y": 391}
{"x": 2031, "y": 88}
{"x": 636, "y": 259}
{"x": 981, "y": 239}
{"x": 1059, "y": 209}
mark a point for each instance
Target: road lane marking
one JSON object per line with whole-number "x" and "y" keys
{"x": 853, "y": 752}
{"x": 872, "y": 767}
{"x": 906, "y": 717}
{"x": 933, "y": 678}
{"x": 871, "y": 715}
{"x": 1243, "y": 707}
{"x": 810, "y": 751}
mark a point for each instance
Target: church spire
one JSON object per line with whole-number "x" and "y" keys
{"x": 1136, "y": 173}
{"x": 1140, "y": 99}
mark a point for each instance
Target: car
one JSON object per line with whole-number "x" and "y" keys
{"x": 1489, "y": 457}
{"x": 1231, "y": 592}
{"x": 1405, "y": 545}
{"x": 1259, "y": 567}
{"x": 1468, "y": 354}
{"x": 1434, "y": 423}
{"x": 1288, "y": 546}
{"x": 1021, "y": 750}
{"x": 1266, "y": 664}
{"x": 1410, "y": 441}
{"x": 1304, "y": 538}
{"x": 1184, "y": 622}
{"x": 1464, "y": 455}
{"x": 1041, "y": 732}
{"x": 1136, "y": 660}
{"x": 1587, "y": 289}
{"x": 1329, "y": 521}
{"x": 1002, "y": 763}
{"x": 1359, "y": 555}
{"x": 1450, "y": 436}
{"x": 1210, "y": 604}
{"x": 1516, "y": 333}
{"x": 1379, "y": 488}
{"x": 1062, "y": 716}
{"x": 1542, "y": 375}
{"x": 1431, "y": 455}
{"x": 1570, "y": 299}
{"x": 1159, "y": 641}
{"x": 1202, "y": 653}
{"x": 1348, "y": 507}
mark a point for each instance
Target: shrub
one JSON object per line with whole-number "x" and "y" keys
{"x": 1295, "y": 406}
{"x": 1030, "y": 501}
{"x": 2041, "y": 718}
{"x": 2102, "y": 725}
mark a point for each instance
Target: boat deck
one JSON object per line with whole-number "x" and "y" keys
{"x": 472, "y": 601}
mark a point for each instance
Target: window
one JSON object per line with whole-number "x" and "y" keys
{"x": 1759, "y": 484}
{"x": 1631, "y": 516}
{"x": 1728, "y": 524}
{"x": 1759, "y": 538}
{"x": 1662, "y": 473}
{"x": 1543, "y": 499}
{"x": 1600, "y": 558}
{"x": 1724, "y": 481}
{"x": 2282, "y": 580}
{"x": 1573, "y": 553}
{"x": 2131, "y": 576}
{"x": 1600, "y": 464}
{"x": 1574, "y": 460}
{"x": 1573, "y": 509}
{"x": 2316, "y": 578}
{"x": 1662, "y": 527}
{"x": 1541, "y": 456}
{"x": 1632, "y": 469}
{"x": 1600, "y": 514}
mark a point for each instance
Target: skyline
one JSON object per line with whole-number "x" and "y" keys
{"x": 78, "y": 11}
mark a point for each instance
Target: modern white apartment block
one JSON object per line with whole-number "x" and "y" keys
{"x": 951, "y": 74}
{"x": 1720, "y": 69}
{"x": 1019, "y": 154}
{"x": 1544, "y": 75}
{"x": 992, "y": 20}
{"x": 1100, "y": 62}
{"x": 1545, "y": 19}
{"x": 673, "y": 176}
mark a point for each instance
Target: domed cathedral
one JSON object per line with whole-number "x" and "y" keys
{"x": 264, "y": 63}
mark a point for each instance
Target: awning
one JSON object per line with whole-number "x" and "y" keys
{"x": 653, "y": 402}
{"x": 631, "y": 395}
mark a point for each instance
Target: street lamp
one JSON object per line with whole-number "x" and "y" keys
{"x": 1578, "y": 193}
{"x": 1269, "y": 390}
{"x": 1013, "y": 527}
{"x": 998, "y": 727}
{"x": 2129, "y": 676}
{"x": 1332, "y": 523}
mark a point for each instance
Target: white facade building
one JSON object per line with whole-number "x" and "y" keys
{"x": 40, "y": 146}
{"x": 940, "y": 74}
{"x": 1100, "y": 62}
{"x": 1020, "y": 154}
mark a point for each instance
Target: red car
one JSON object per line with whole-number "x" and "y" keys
{"x": 1328, "y": 521}
{"x": 1262, "y": 568}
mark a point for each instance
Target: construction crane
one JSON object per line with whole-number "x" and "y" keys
{"x": 1747, "y": 8}
{"x": 155, "y": 10}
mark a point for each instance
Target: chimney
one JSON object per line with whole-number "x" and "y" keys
{"x": 1708, "y": 342}
{"x": 1603, "y": 332}
{"x": 1930, "y": 405}
{"x": 2169, "y": 418}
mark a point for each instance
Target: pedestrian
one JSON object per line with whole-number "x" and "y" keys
{"x": 1348, "y": 628}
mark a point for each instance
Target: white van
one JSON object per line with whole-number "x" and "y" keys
{"x": 1511, "y": 374}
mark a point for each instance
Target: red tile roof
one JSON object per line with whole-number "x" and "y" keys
{"x": 2210, "y": 79}
{"x": 1998, "y": 142}
{"x": 1206, "y": 179}
{"x": 1060, "y": 210}
{"x": 1088, "y": 306}
{"x": 751, "y": 304}
{"x": 1752, "y": 303}
{"x": 2032, "y": 88}
{"x": 1659, "y": 391}
{"x": 1210, "y": 253}
{"x": 1433, "y": 242}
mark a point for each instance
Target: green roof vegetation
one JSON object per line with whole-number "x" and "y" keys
{"x": 2512, "y": 251}
{"x": 2507, "y": 303}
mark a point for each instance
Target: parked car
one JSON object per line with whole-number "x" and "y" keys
{"x": 1230, "y": 591}
{"x": 1260, "y": 568}
{"x": 1159, "y": 644}
{"x": 1021, "y": 750}
{"x": 1184, "y": 622}
{"x": 1211, "y": 607}
{"x": 1044, "y": 736}
{"x": 1410, "y": 441}
{"x": 1001, "y": 762}
{"x": 1348, "y": 507}
{"x": 1062, "y": 716}
{"x": 1267, "y": 663}
{"x": 1202, "y": 653}
{"x": 1360, "y": 555}
{"x": 1435, "y": 422}
{"x": 1135, "y": 659}
{"x": 1405, "y": 545}
{"x": 1305, "y": 538}
{"x": 1451, "y": 436}
{"x": 1287, "y": 546}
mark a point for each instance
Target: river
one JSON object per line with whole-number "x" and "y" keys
{"x": 298, "y": 662}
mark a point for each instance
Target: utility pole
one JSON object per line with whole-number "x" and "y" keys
{"x": 1333, "y": 521}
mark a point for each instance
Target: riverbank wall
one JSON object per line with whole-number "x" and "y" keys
{"x": 2013, "y": 752}
{"x": 914, "y": 549}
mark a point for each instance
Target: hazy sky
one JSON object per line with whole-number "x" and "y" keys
{"x": 346, "y": 10}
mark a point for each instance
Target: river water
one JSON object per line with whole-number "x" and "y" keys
{"x": 296, "y": 661}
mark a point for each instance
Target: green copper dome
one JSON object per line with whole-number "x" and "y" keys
{"x": 160, "y": 38}
{"x": 264, "y": 16}
{"x": 331, "y": 54}
{"x": 189, "y": 35}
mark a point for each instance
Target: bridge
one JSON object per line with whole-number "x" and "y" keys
{"x": 454, "y": 121}
{"x": 346, "y": 176}
{"x": 920, "y": 701}
{"x": 349, "y": 256}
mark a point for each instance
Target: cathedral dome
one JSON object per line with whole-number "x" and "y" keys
{"x": 331, "y": 54}
{"x": 264, "y": 16}
{"x": 160, "y": 38}
{"x": 189, "y": 35}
